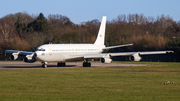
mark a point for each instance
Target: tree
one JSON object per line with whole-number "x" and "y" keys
{"x": 7, "y": 29}
{"x": 19, "y": 27}
{"x": 39, "y": 25}
{"x": 174, "y": 45}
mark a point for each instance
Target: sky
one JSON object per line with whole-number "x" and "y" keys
{"x": 86, "y": 10}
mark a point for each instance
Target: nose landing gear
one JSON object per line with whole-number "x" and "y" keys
{"x": 44, "y": 64}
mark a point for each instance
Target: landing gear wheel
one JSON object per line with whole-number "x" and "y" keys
{"x": 86, "y": 64}
{"x": 59, "y": 64}
{"x": 44, "y": 65}
{"x": 89, "y": 64}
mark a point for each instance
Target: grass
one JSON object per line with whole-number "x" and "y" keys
{"x": 100, "y": 84}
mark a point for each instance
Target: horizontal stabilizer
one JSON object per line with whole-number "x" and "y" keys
{"x": 110, "y": 47}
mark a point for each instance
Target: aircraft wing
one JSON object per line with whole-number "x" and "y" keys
{"x": 98, "y": 56}
{"x": 140, "y": 53}
{"x": 20, "y": 52}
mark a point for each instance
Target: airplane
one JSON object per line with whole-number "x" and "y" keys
{"x": 62, "y": 53}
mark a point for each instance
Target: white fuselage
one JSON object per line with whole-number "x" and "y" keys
{"x": 59, "y": 52}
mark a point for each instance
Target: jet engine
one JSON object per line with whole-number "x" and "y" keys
{"x": 106, "y": 59}
{"x": 30, "y": 59}
{"x": 135, "y": 57}
{"x": 15, "y": 56}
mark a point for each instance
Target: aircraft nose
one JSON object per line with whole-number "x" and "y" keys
{"x": 37, "y": 54}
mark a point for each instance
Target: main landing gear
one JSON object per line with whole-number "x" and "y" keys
{"x": 61, "y": 64}
{"x": 86, "y": 64}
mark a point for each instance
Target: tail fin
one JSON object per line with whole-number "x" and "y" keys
{"x": 101, "y": 34}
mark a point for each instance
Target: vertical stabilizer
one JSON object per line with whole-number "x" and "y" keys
{"x": 101, "y": 34}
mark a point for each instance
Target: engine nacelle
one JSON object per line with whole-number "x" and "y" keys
{"x": 15, "y": 56}
{"x": 30, "y": 59}
{"x": 106, "y": 60}
{"x": 135, "y": 57}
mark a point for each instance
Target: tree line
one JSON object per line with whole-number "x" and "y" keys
{"x": 22, "y": 31}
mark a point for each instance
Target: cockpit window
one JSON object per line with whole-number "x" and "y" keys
{"x": 41, "y": 49}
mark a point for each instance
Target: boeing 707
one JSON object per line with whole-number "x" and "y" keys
{"x": 62, "y": 53}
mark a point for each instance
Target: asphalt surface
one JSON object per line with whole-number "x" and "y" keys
{"x": 17, "y": 64}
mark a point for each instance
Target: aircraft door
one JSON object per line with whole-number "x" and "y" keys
{"x": 50, "y": 51}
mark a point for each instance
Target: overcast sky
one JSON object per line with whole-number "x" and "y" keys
{"x": 85, "y": 10}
